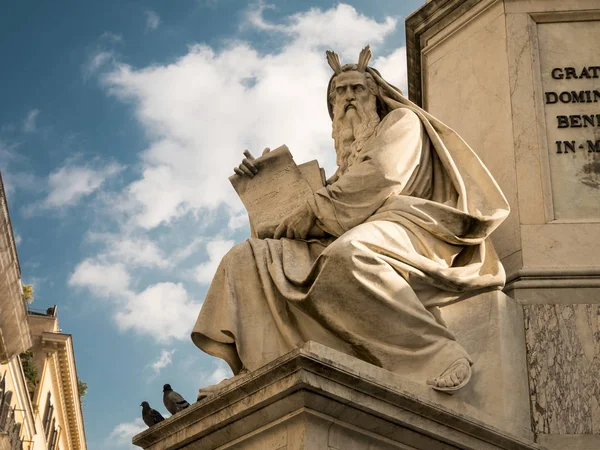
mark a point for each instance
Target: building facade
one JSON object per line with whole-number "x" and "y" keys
{"x": 40, "y": 407}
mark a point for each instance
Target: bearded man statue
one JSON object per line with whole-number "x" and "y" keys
{"x": 399, "y": 230}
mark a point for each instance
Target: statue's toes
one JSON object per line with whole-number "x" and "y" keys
{"x": 455, "y": 379}
{"x": 446, "y": 381}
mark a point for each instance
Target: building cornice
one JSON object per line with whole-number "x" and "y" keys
{"x": 15, "y": 336}
{"x": 62, "y": 345}
{"x": 6, "y": 214}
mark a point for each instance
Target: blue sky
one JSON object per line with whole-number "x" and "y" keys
{"x": 120, "y": 123}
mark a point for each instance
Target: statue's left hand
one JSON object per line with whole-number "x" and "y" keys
{"x": 297, "y": 225}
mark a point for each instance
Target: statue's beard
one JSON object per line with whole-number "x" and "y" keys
{"x": 351, "y": 131}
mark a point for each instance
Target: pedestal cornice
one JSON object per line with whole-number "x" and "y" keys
{"x": 316, "y": 382}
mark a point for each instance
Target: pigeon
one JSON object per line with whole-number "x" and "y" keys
{"x": 150, "y": 416}
{"x": 173, "y": 401}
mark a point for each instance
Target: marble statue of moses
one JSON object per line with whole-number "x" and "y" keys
{"x": 402, "y": 229}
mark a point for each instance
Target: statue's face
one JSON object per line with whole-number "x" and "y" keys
{"x": 351, "y": 91}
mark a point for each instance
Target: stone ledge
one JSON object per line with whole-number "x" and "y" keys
{"x": 490, "y": 327}
{"x": 570, "y": 441}
{"x": 279, "y": 405}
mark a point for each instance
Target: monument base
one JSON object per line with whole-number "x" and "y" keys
{"x": 318, "y": 398}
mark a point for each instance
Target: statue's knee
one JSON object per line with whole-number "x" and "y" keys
{"x": 341, "y": 251}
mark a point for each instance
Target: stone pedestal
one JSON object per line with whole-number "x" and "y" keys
{"x": 317, "y": 398}
{"x": 490, "y": 327}
{"x": 520, "y": 81}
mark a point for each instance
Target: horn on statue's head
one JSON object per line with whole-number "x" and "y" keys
{"x": 364, "y": 58}
{"x": 334, "y": 61}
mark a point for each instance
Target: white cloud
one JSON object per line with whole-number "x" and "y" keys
{"x": 135, "y": 251}
{"x": 201, "y": 111}
{"x": 138, "y": 252}
{"x": 238, "y": 221}
{"x": 29, "y": 125}
{"x": 102, "y": 56}
{"x": 152, "y": 20}
{"x": 111, "y": 37}
{"x": 185, "y": 252}
{"x": 221, "y": 372}
{"x": 163, "y": 311}
{"x": 70, "y": 183}
{"x": 104, "y": 280}
{"x": 214, "y": 375}
{"x": 124, "y": 432}
{"x": 13, "y": 177}
{"x": 18, "y": 239}
{"x": 393, "y": 67}
{"x": 341, "y": 28}
{"x": 164, "y": 360}
{"x": 96, "y": 61}
{"x": 215, "y": 250}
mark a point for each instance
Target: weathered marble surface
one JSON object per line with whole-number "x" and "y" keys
{"x": 457, "y": 72}
{"x": 490, "y": 327}
{"x": 574, "y": 174}
{"x": 487, "y": 57}
{"x": 570, "y": 441}
{"x": 316, "y": 398}
{"x": 404, "y": 226}
{"x": 553, "y": 266}
{"x": 563, "y": 352}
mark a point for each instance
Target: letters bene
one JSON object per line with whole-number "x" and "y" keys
{"x": 578, "y": 121}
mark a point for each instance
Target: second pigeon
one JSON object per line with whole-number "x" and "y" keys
{"x": 173, "y": 401}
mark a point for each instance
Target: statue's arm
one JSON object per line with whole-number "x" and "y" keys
{"x": 385, "y": 167}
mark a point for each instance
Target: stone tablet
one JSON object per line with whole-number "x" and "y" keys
{"x": 277, "y": 189}
{"x": 313, "y": 174}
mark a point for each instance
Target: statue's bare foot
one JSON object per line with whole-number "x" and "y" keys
{"x": 209, "y": 391}
{"x": 453, "y": 378}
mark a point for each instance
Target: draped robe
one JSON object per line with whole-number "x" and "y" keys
{"x": 408, "y": 223}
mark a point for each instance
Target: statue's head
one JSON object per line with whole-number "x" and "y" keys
{"x": 351, "y": 87}
{"x": 352, "y": 102}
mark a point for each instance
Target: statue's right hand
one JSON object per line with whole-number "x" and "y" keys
{"x": 247, "y": 168}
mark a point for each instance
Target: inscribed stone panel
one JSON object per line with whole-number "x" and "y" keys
{"x": 570, "y": 69}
